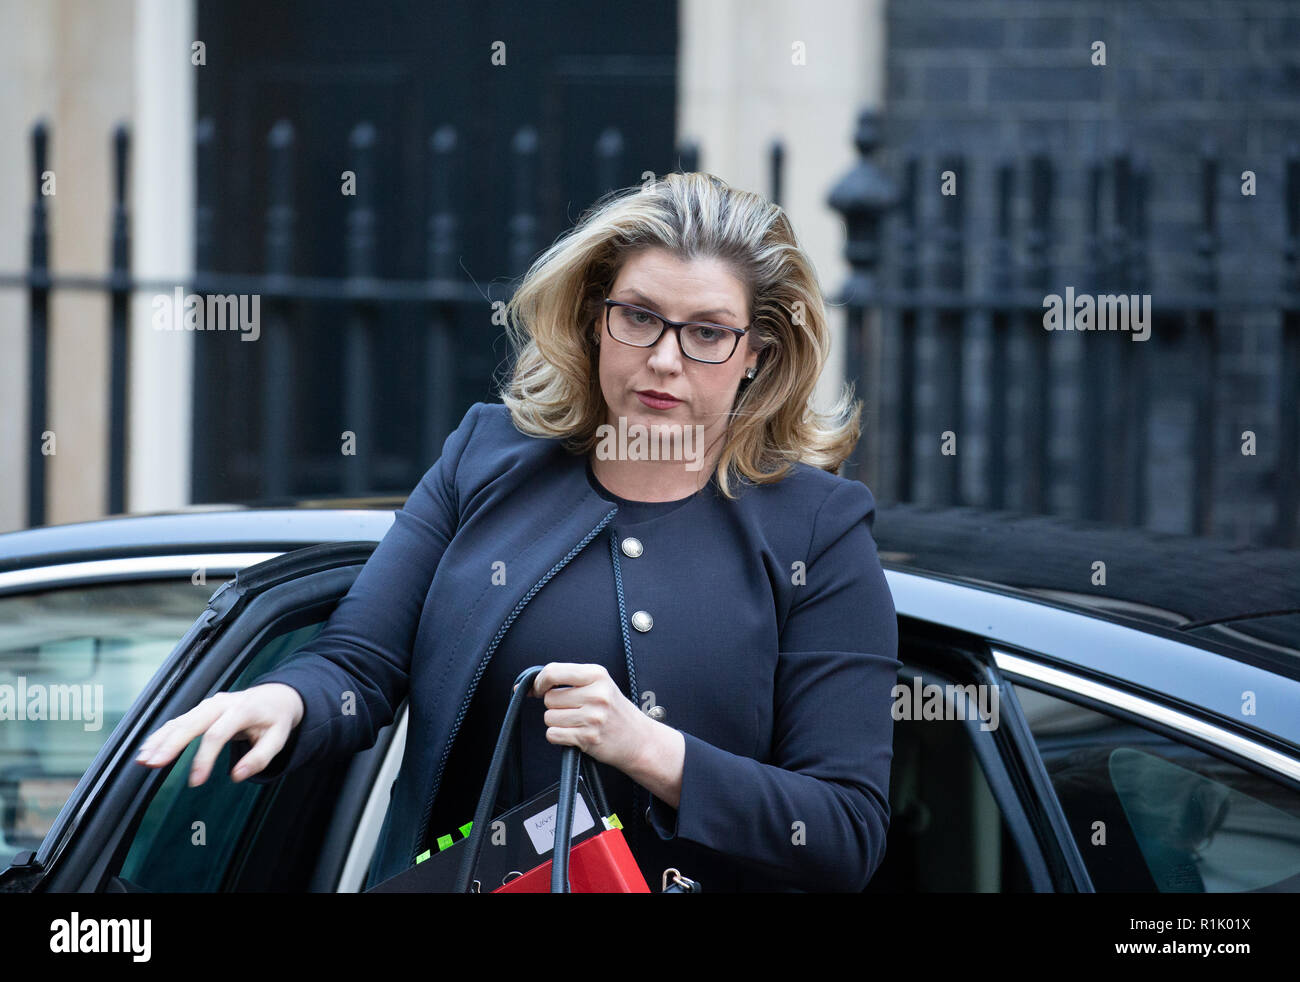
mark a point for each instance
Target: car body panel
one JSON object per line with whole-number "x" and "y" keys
{"x": 1200, "y": 680}
{"x": 250, "y": 530}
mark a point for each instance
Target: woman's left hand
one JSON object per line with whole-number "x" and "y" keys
{"x": 591, "y": 714}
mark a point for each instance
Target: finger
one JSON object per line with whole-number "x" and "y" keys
{"x": 568, "y": 717}
{"x": 566, "y": 673}
{"x": 573, "y": 696}
{"x": 150, "y": 743}
{"x": 261, "y": 754}
{"x": 563, "y": 736}
{"x": 541, "y": 682}
{"x": 175, "y": 735}
{"x": 214, "y": 739}
{"x": 159, "y": 737}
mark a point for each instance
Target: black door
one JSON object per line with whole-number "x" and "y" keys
{"x": 269, "y": 415}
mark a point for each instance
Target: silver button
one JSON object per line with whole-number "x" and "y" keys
{"x": 642, "y": 621}
{"x": 632, "y": 547}
{"x": 657, "y": 712}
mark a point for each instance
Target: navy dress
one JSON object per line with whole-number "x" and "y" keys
{"x": 573, "y": 618}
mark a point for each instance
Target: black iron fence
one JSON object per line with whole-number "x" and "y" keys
{"x": 917, "y": 350}
{"x": 909, "y": 332}
{"x": 436, "y": 321}
{"x": 39, "y": 283}
{"x": 264, "y": 446}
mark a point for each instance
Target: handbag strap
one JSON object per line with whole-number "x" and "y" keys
{"x": 589, "y": 772}
{"x": 592, "y": 776}
{"x": 564, "y": 820}
{"x": 569, "y": 767}
{"x": 492, "y": 783}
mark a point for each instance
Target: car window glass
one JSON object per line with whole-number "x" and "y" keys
{"x": 946, "y": 830}
{"x": 1150, "y": 813}
{"x": 72, "y": 661}
{"x": 189, "y": 837}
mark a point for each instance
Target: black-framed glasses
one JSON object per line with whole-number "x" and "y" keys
{"x": 699, "y": 341}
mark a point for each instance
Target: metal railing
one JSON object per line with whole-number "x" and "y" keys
{"x": 909, "y": 330}
{"x": 367, "y": 301}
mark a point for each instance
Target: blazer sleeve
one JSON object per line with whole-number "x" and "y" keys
{"x": 365, "y": 647}
{"x": 814, "y": 816}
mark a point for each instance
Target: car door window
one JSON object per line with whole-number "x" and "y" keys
{"x": 946, "y": 830}
{"x": 1150, "y": 813}
{"x": 191, "y": 840}
{"x": 72, "y": 660}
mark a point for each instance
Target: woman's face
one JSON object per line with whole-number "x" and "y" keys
{"x": 696, "y": 290}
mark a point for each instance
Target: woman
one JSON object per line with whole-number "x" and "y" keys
{"x": 652, "y": 514}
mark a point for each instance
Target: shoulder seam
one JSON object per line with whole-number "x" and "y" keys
{"x": 812, "y": 533}
{"x": 461, "y": 456}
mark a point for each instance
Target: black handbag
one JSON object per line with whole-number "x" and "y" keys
{"x": 461, "y": 867}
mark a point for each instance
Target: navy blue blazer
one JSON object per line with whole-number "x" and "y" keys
{"x": 782, "y": 691}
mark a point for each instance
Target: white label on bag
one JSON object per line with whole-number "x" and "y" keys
{"x": 541, "y": 827}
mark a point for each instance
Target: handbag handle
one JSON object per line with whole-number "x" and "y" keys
{"x": 588, "y": 771}
{"x": 564, "y": 820}
{"x": 569, "y": 766}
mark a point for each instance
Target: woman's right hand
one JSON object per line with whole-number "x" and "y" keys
{"x": 264, "y": 715}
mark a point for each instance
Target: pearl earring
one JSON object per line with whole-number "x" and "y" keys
{"x": 750, "y": 373}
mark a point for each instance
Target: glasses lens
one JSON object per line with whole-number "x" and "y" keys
{"x": 634, "y": 326}
{"x": 708, "y": 343}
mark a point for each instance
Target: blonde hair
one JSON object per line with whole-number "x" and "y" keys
{"x": 553, "y": 386}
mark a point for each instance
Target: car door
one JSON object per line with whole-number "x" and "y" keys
{"x": 1093, "y": 711}
{"x": 131, "y": 828}
{"x": 961, "y": 816}
{"x": 1158, "y": 797}
{"x": 80, "y": 635}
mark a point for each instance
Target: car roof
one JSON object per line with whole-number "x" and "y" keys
{"x": 207, "y": 528}
{"x": 1206, "y": 589}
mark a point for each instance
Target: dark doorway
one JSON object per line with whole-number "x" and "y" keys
{"x": 572, "y": 71}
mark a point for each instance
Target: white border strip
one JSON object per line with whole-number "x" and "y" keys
{"x": 1016, "y": 665}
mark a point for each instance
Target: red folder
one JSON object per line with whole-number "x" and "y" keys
{"x": 600, "y": 864}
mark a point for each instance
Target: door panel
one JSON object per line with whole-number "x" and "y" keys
{"x": 138, "y": 825}
{"x": 1151, "y": 813}
{"x": 189, "y": 839}
{"x": 961, "y": 819}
